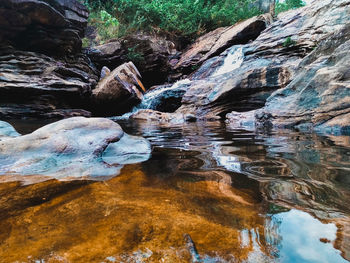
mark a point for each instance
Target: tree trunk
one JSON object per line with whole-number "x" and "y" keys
{"x": 272, "y": 8}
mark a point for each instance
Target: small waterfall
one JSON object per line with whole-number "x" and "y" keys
{"x": 153, "y": 98}
{"x": 166, "y": 98}
{"x": 233, "y": 60}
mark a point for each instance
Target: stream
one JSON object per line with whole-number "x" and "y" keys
{"x": 209, "y": 193}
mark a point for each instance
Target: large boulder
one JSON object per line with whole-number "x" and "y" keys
{"x": 90, "y": 148}
{"x": 118, "y": 91}
{"x": 319, "y": 96}
{"x": 150, "y": 53}
{"x": 53, "y": 27}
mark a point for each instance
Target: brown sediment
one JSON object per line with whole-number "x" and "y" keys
{"x": 129, "y": 213}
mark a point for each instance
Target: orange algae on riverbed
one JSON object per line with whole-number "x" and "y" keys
{"x": 132, "y": 215}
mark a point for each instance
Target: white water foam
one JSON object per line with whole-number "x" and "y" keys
{"x": 151, "y": 96}
{"x": 233, "y": 60}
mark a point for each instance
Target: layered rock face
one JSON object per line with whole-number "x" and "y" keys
{"x": 88, "y": 148}
{"x": 53, "y": 27}
{"x": 42, "y": 73}
{"x": 37, "y": 85}
{"x": 215, "y": 42}
{"x": 319, "y": 96}
{"x": 268, "y": 63}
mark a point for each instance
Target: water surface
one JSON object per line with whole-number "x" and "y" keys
{"x": 209, "y": 193}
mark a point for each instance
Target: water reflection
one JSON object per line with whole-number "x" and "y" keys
{"x": 293, "y": 170}
{"x": 240, "y": 196}
{"x": 302, "y": 238}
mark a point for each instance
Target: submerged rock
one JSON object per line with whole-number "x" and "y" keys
{"x": 319, "y": 96}
{"x": 79, "y": 147}
{"x": 118, "y": 91}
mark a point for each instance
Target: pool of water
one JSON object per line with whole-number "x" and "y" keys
{"x": 209, "y": 193}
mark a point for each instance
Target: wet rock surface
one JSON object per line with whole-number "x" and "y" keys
{"x": 6, "y": 130}
{"x": 90, "y": 148}
{"x": 319, "y": 96}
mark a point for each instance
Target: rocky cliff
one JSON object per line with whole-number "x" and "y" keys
{"x": 42, "y": 70}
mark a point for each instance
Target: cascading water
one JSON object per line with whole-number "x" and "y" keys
{"x": 233, "y": 60}
{"x": 167, "y": 98}
{"x": 155, "y": 98}
{"x": 152, "y": 98}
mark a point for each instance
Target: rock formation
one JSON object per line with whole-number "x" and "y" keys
{"x": 319, "y": 96}
{"x": 242, "y": 77}
{"x": 269, "y": 63}
{"x": 51, "y": 27}
{"x": 217, "y": 41}
{"x": 230, "y": 70}
{"x": 88, "y": 148}
{"x": 42, "y": 72}
{"x": 37, "y": 85}
{"x": 118, "y": 91}
{"x": 150, "y": 54}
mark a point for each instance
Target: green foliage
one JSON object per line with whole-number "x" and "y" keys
{"x": 107, "y": 25}
{"x": 289, "y": 42}
{"x": 135, "y": 56}
{"x": 85, "y": 42}
{"x": 185, "y": 17}
{"x": 288, "y": 4}
{"x": 188, "y": 18}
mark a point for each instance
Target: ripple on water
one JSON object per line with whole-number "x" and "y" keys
{"x": 240, "y": 196}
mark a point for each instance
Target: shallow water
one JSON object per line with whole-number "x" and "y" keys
{"x": 209, "y": 193}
